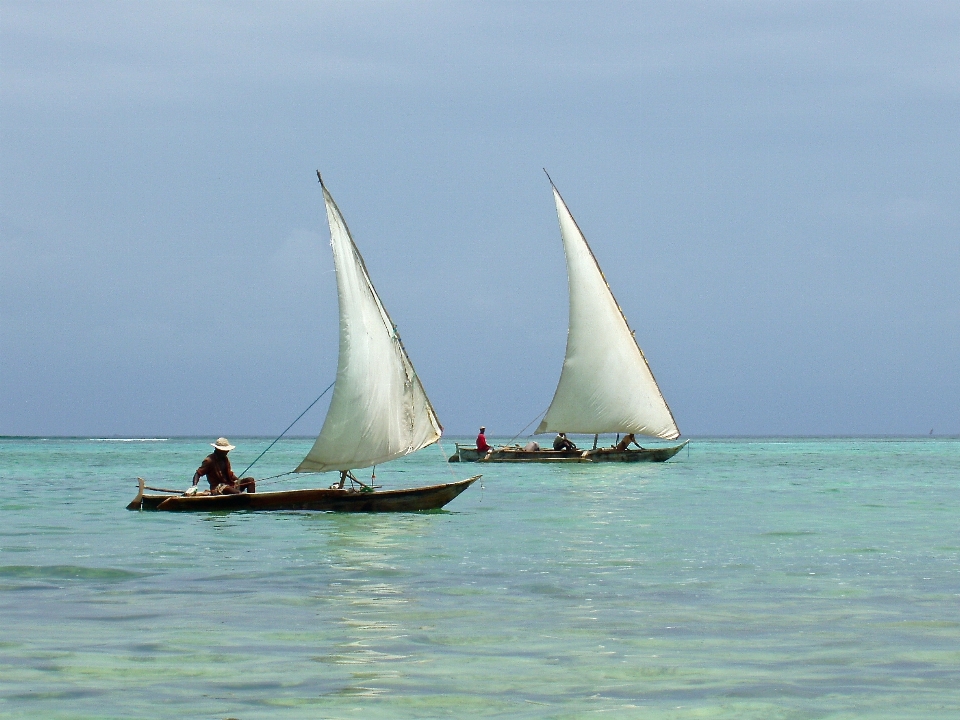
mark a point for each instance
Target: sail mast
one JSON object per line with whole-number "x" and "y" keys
{"x": 606, "y": 384}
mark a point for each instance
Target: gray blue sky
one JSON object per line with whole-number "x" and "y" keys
{"x": 771, "y": 188}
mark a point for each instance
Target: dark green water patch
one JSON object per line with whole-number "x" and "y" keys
{"x": 788, "y": 533}
{"x": 66, "y": 572}
{"x": 56, "y": 695}
{"x": 549, "y": 590}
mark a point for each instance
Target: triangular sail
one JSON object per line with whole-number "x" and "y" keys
{"x": 379, "y": 410}
{"x": 606, "y": 385}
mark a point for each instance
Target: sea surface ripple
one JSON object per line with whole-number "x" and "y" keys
{"x": 762, "y": 578}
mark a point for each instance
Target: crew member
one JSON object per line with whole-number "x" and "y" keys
{"x": 625, "y": 443}
{"x": 216, "y": 468}
{"x": 482, "y": 441}
{"x": 562, "y": 442}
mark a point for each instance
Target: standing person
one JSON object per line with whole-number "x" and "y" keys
{"x": 482, "y": 441}
{"x": 561, "y": 442}
{"x": 216, "y": 468}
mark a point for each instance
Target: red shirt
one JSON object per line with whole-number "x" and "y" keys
{"x": 482, "y": 443}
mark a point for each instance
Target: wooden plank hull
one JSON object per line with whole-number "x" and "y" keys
{"x": 646, "y": 455}
{"x": 501, "y": 455}
{"x": 519, "y": 455}
{"x": 514, "y": 454}
{"x": 431, "y": 497}
{"x": 466, "y": 453}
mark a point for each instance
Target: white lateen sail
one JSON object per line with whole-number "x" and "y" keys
{"x": 379, "y": 410}
{"x": 606, "y": 385}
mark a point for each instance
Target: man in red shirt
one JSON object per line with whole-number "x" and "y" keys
{"x": 216, "y": 468}
{"x": 482, "y": 441}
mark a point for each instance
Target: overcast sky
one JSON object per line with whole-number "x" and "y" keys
{"x": 771, "y": 189}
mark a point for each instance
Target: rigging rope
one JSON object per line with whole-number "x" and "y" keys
{"x": 539, "y": 415}
{"x": 443, "y": 452}
{"x": 273, "y": 478}
{"x": 288, "y": 427}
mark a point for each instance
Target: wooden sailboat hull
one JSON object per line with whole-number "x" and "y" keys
{"x": 431, "y": 497}
{"x": 500, "y": 455}
{"x": 645, "y": 455}
{"x": 466, "y": 454}
{"x": 514, "y": 454}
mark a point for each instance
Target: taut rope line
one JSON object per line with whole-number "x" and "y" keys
{"x": 539, "y": 415}
{"x": 288, "y": 427}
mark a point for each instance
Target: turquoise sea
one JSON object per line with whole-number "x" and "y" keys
{"x": 758, "y": 578}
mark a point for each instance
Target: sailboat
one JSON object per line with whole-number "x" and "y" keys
{"x": 606, "y": 385}
{"x": 379, "y": 411}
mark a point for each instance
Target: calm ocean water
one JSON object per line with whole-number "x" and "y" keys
{"x": 789, "y": 578}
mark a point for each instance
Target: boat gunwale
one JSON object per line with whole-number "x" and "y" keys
{"x": 242, "y": 501}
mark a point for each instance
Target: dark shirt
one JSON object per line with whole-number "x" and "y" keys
{"x": 562, "y": 443}
{"x": 216, "y": 466}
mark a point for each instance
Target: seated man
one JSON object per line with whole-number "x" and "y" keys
{"x": 216, "y": 468}
{"x": 625, "y": 443}
{"x": 482, "y": 441}
{"x": 561, "y": 442}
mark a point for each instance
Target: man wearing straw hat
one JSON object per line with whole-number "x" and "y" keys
{"x": 216, "y": 467}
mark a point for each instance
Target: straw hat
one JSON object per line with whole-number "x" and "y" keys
{"x": 223, "y": 444}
